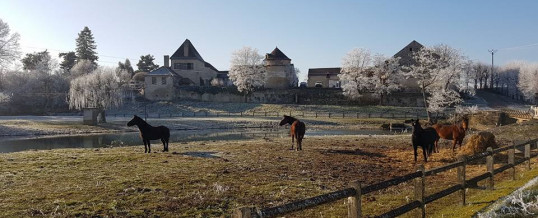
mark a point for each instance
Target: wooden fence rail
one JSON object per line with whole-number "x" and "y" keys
{"x": 355, "y": 191}
{"x": 357, "y": 115}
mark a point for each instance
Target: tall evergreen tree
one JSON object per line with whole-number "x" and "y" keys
{"x": 127, "y": 67}
{"x": 69, "y": 60}
{"x": 86, "y": 46}
{"x": 145, "y": 64}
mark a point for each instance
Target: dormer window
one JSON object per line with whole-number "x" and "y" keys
{"x": 410, "y": 49}
{"x": 183, "y": 66}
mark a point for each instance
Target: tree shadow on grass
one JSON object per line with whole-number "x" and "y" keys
{"x": 352, "y": 152}
{"x": 203, "y": 154}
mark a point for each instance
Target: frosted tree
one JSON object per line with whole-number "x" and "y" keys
{"x": 293, "y": 77}
{"x": 354, "y": 73}
{"x": 437, "y": 71}
{"x": 509, "y": 78}
{"x": 386, "y": 76}
{"x": 82, "y": 67}
{"x": 528, "y": 80}
{"x": 247, "y": 71}
{"x": 101, "y": 89}
{"x": 9, "y": 45}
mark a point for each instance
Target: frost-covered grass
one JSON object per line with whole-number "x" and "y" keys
{"x": 214, "y": 107}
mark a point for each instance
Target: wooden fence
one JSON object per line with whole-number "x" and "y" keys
{"x": 520, "y": 114}
{"x": 309, "y": 114}
{"x": 355, "y": 191}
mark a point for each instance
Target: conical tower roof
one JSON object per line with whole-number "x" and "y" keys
{"x": 276, "y": 54}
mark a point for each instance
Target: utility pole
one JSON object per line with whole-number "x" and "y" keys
{"x": 492, "y": 51}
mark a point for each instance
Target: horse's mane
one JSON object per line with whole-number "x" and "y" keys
{"x": 291, "y": 118}
{"x": 142, "y": 122}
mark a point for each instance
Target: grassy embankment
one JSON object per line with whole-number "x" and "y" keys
{"x": 212, "y": 178}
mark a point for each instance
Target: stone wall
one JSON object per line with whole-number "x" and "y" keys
{"x": 297, "y": 95}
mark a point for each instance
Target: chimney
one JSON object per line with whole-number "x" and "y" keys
{"x": 167, "y": 61}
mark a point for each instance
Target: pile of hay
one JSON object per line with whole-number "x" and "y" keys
{"x": 478, "y": 143}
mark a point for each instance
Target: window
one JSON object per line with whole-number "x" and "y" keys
{"x": 184, "y": 66}
{"x": 153, "y": 80}
{"x": 410, "y": 49}
{"x": 163, "y": 80}
{"x": 328, "y": 76}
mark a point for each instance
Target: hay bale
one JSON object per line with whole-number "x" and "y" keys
{"x": 478, "y": 143}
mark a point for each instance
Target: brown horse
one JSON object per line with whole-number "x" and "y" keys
{"x": 454, "y": 132}
{"x": 297, "y": 131}
{"x": 148, "y": 132}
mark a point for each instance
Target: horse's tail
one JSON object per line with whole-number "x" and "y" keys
{"x": 300, "y": 131}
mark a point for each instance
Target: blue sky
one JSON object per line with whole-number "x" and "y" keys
{"x": 312, "y": 33}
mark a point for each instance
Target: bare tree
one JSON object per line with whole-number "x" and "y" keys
{"x": 354, "y": 74}
{"x": 9, "y": 45}
{"x": 386, "y": 76}
{"x": 247, "y": 71}
{"x": 528, "y": 80}
{"x": 438, "y": 71}
{"x": 101, "y": 89}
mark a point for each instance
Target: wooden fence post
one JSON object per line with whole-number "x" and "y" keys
{"x": 489, "y": 166}
{"x": 528, "y": 155}
{"x": 241, "y": 113}
{"x": 245, "y": 212}
{"x": 419, "y": 192}
{"x": 357, "y": 115}
{"x": 343, "y": 114}
{"x": 511, "y": 153}
{"x": 461, "y": 178}
{"x": 316, "y": 114}
{"x": 329, "y": 115}
{"x": 194, "y": 114}
{"x": 354, "y": 209}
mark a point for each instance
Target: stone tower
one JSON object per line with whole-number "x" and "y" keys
{"x": 279, "y": 71}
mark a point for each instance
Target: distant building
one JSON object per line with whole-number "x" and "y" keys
{"x": 324, "y": 77}
{"x": 222, "y": 79}
{"x": 328, "y": 77}
{"x": 280, "y": 72}
{"x": 187, "y": 68}
{"x": 188, "y": 63}
{"x": 406, "y": 59}
{"x": 160, "y": 84}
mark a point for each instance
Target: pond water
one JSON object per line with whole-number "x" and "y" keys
{"x": 14, "y": 144}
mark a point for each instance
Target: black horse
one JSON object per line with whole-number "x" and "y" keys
{"x": 424, "y": 138}
{"x": 148, "y": 132}
{"x": 297, "y": 130}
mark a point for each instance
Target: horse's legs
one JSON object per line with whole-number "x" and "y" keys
{"x": 145, "y": 146}
{"x": 415, "y": 149}
{"x": 424, "y": 153}
{"x": 436, "y": 146}
{"x": 455, "y": 141}
{"x": 149, "y": 147}
{"x": 165, "y": 144}
{"x": 292, "y": 140}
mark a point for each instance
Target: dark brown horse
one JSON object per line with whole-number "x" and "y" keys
{"x": 454, "y": 132}
{"x": 297, "y": 131}
{"x": 423, "y": 137}
{"x": 148, "y": 132}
